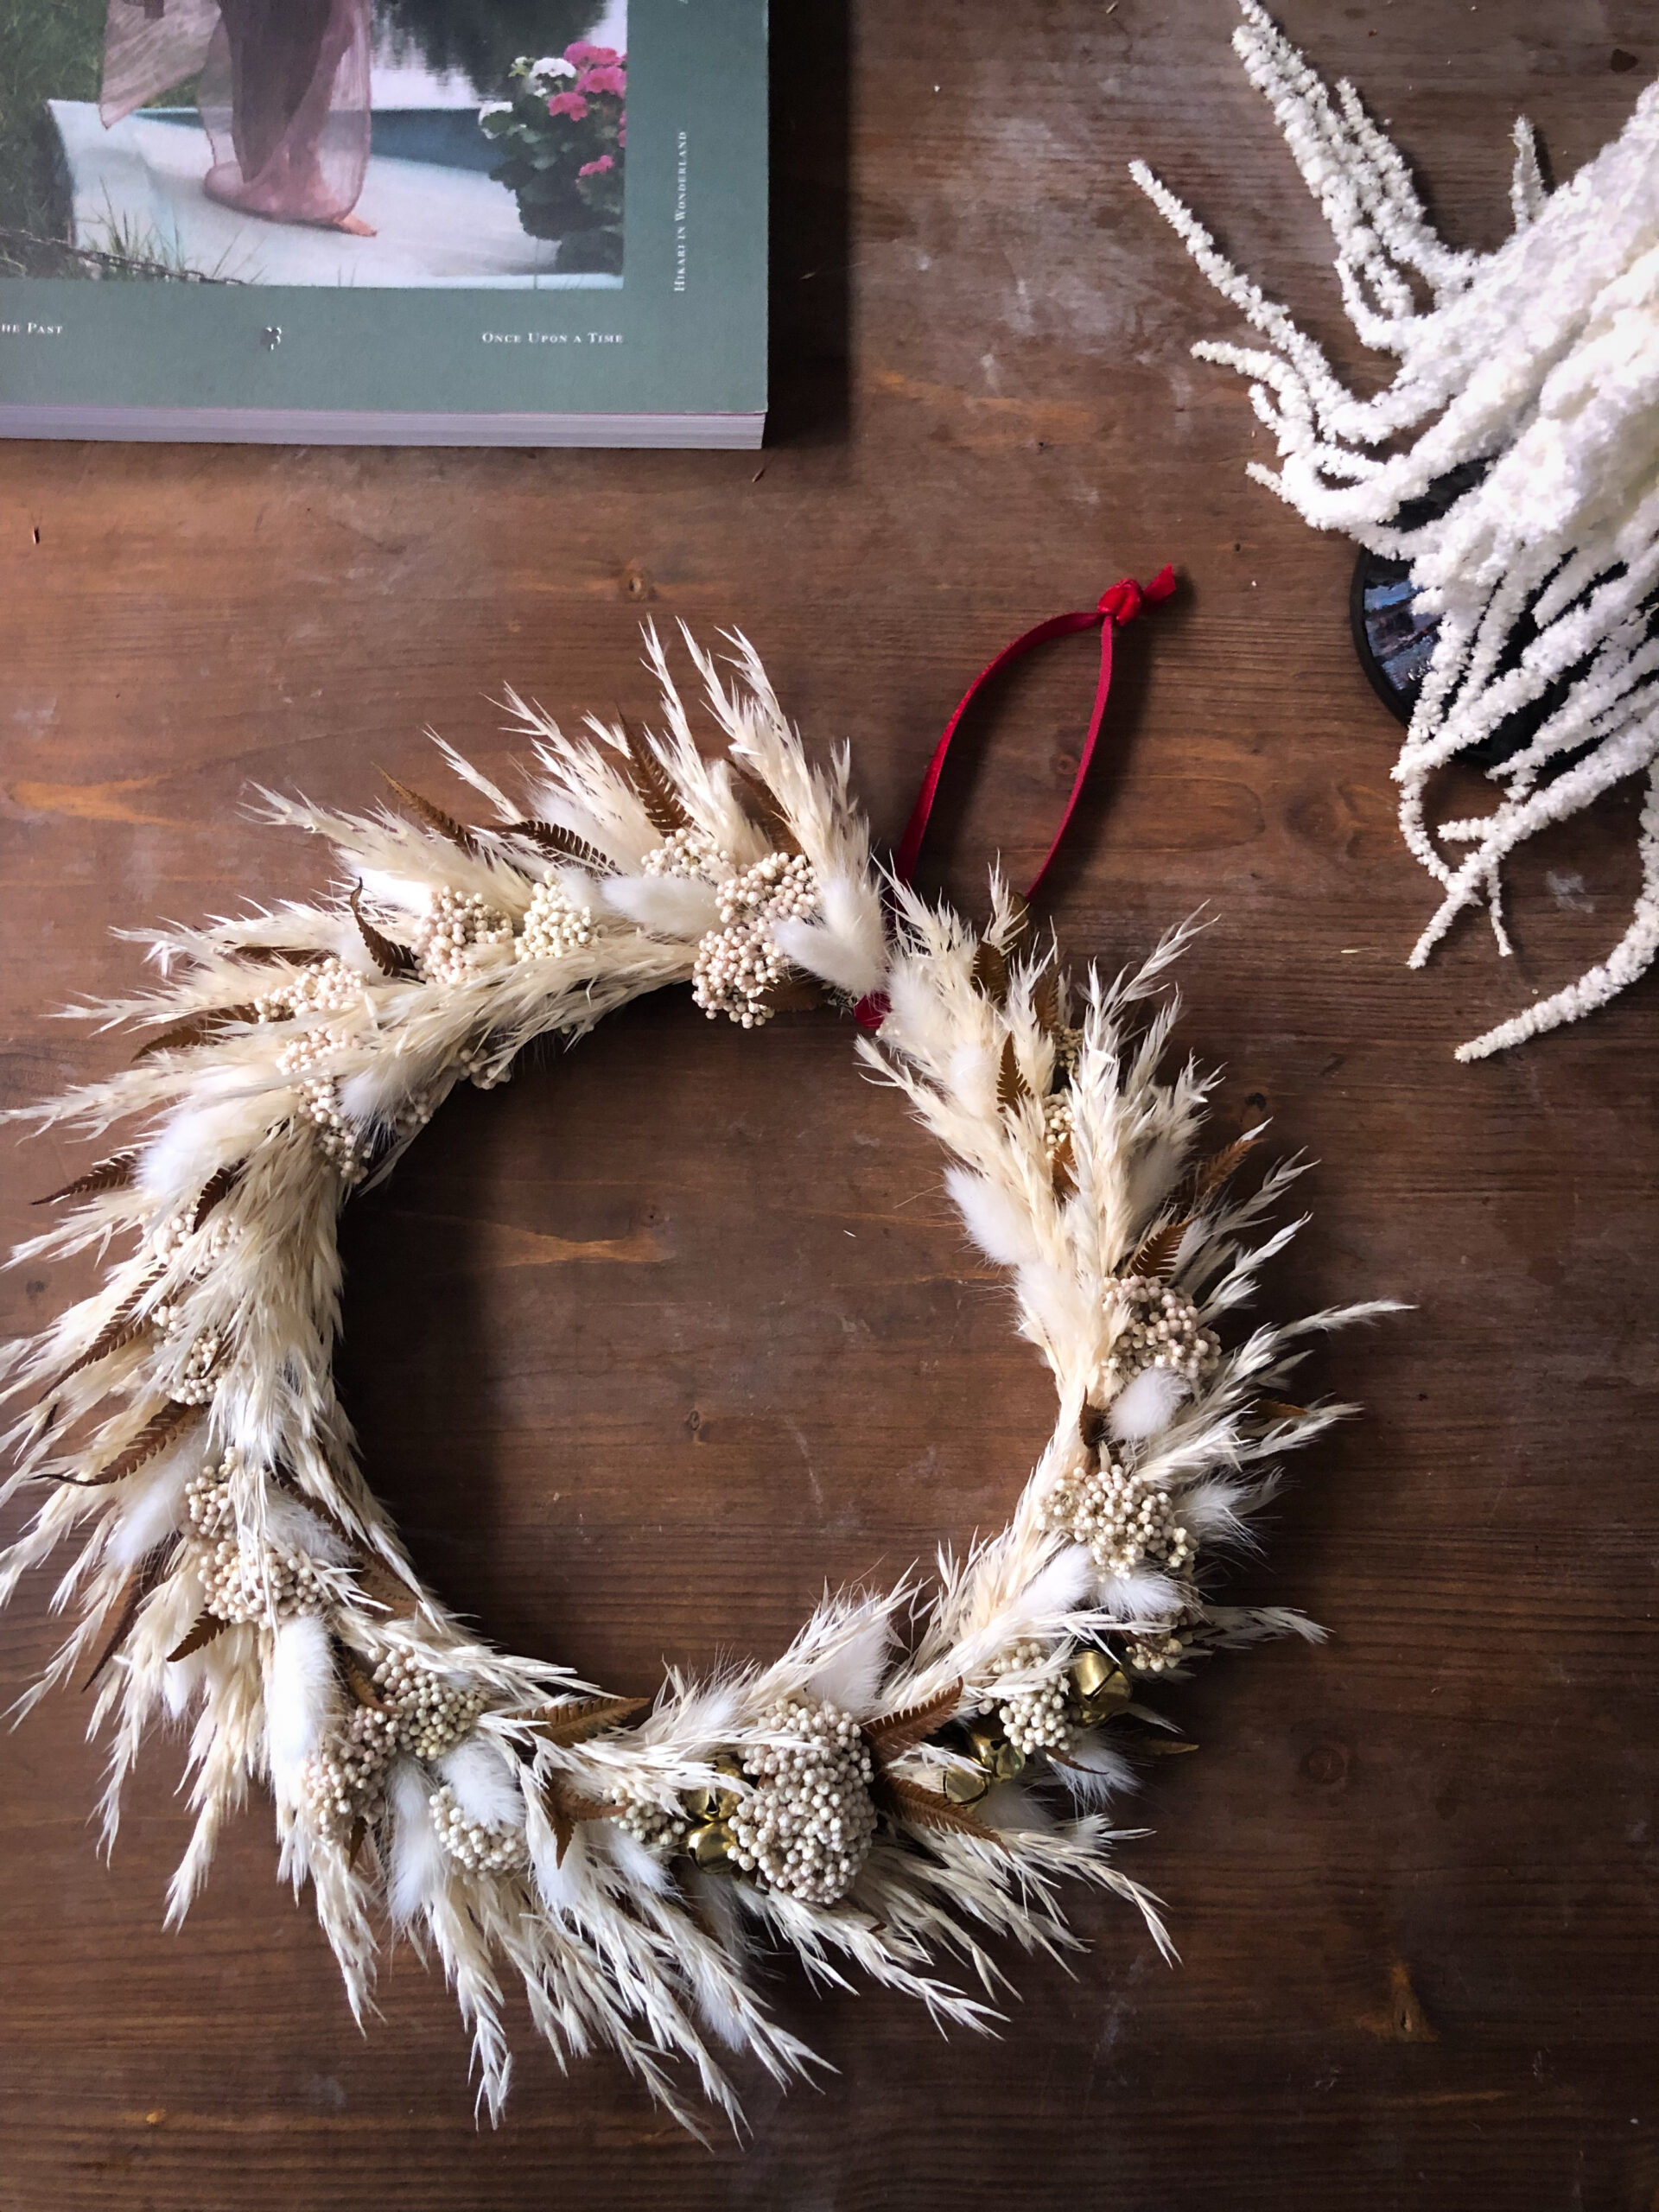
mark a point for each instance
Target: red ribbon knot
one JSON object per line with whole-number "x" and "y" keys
{"x": 1121, "y": 603}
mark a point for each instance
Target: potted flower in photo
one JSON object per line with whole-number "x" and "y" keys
{"x": 562, "y": 136}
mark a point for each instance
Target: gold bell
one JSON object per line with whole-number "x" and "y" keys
{"x": 965, "y": 1785}
{"x": 1098, "y": 1684}
{"x": 710, "y": 1845}
{"x": 995, "y": 1753}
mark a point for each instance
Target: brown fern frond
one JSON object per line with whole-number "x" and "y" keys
{"x": 375, "y": 1579}
{"x": 114, "y": 1173}
{"x": 1011, "y": 1088}
{"x": 1092, "y": 1426}
{"x": 148, "y": 1575}
{"x": 123, "y": 1327}
{"x": 434, "y": 818}
{"x": 1210, "y": 1174}
{"x": 562, "y": 844}
{"x": 394, "y": 961}
{"x": 926, "y": 1808}
{"x": 581, "y": 1718}
{"x": 1155, "y": 1256}
{"x": 220, "y": 1184}
{"x": 566, "y": 1807}
{"x": 895, "y": 1733}
{"x": 1046, "y": 1002}
{"x": 279, "y": 956}
{"x": 793, "y": 993}
{"x": 765, "y": 807}
{"x": 1277, "y": 1409}
{"x": 653, "y": 786}
{"x": 1065, "y": 1178}
{"x": 200, "y": 1029}
{"x": 990, "y": 971}
{"x": 162, "y": 1429}
{"x": 202, "y": 1630}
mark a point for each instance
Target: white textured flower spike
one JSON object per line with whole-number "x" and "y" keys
{"x": 1534, "y": 370}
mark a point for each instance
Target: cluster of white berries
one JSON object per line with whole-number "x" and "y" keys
{"x": 251, "y": 1581}
{"x": 734, "y": 970}
{"x": 1058, "y": 1127}
{"x": 554, "y": 924}
{"x": 1154, "y": 1655}
{"x": 329, "y": 988}
{"x": 207, "y": 1500}
{"x": 1124, "y": 1518}
{"x": 427, "y": 1713}
{"x": 479, "y": 1845}
{"x": 1157, "y": 1327}
{"x": 687, "y": 852}
{"x": 193, "y": 1382}
{"x": 738, "y": 965}
{"x": 343, "y": 1781}
{"x": 337, "y": 1136}
{"x": 776, "y": 889}
{"x": 1033, "y": 1721}
{"x": 807, "y": 1827}
{"x": 173, "y": 1233}
{"x": 652, "y": 1825}
{"x": 456, "y": 928}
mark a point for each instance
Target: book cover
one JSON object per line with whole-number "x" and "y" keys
{"x": 384, "y": 221}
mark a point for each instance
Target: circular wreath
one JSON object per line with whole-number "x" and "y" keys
{"x": 921, "y": 1766}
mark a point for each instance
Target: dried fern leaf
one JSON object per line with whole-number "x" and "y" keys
{"x": 1011, "y": 1088}
{"x": 1210, "y": 1174}
{"x": 357, "y": 1678}
{"x": 566, "y": 1808}
{"x": 434, "y": 818}
{"x": 1064, "y": 1172}
{"x": 202, "y": 1630}
{"x": 926, "y": 1808}
{"x": 765, "y": 806}
{"x": 1277, "y": 1409}
{"x": 376, "y": 1580}
{"x": 220, "y": 1184}
{"x": 656, "y": 794}
{"x": 990, "y": 971}
{"x": 795, "y": 994}
{"x": 1092, "y": 1426}
{"x": 1046, "y": 1002}
{"x": 123, "y": 1327}
{"x": 280, "y": 956}
{"x": 561, "y": 844}
{"x": 114, "y": 1173}
{"x": 1155, "y": 1256}
{"x": 393, "y": 961}
{"x": 895, "y": 1733}
{"x": 157, "y": 1433}
{"x": 148, "y": 1575}
{"x": 575, "y": 1721}
{"x": 201, "y": 1029}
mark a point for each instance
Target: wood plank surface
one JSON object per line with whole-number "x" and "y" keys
{"x": 643, "y": 1347}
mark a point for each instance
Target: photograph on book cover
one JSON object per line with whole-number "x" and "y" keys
{"x": 406, "y": 143}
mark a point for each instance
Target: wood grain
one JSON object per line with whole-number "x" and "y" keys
{"x": 644, "y": 1346}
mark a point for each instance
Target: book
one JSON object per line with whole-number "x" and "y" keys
{"x": 385, "y": 222}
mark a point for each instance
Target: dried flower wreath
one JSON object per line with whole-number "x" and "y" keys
{"x": 1512, "y": 463}
{"x": 918, "y": 1770}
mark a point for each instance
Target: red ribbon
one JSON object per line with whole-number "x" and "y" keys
{"x": 1121, "y": 604}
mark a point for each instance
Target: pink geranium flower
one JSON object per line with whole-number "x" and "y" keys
{"x": 602, "y": 81}
{"x": 598, "y": 168}
{"x": 581, "y": 53}
{"x": 571, "y": 104}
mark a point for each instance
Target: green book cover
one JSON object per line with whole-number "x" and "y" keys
{"x": 389, "y": 221}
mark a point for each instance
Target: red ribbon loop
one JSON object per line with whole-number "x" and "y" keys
{"x": 1121, "y": 604}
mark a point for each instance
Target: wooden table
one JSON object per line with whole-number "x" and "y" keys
{"x": 644, "y": 1346}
